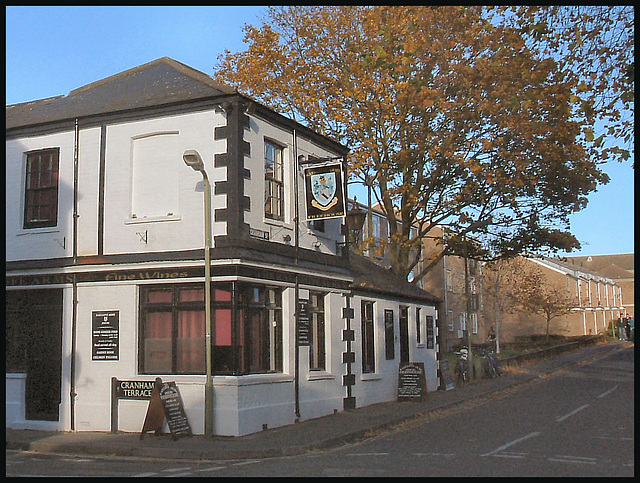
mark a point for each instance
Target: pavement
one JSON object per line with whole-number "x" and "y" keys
{"x": 313, "y": 435}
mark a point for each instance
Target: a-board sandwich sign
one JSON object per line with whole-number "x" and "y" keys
{"x": 412, "y": 383}
{"x": 166, "y": 402}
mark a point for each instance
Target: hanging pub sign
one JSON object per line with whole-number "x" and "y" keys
{"x": 324, "y": 191}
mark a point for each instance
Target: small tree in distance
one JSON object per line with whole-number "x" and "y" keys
{"x": 537, "y": 295}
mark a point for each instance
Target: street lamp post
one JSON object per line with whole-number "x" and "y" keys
{"x": 355, "y": 220}
{"x": 192, "y": 159}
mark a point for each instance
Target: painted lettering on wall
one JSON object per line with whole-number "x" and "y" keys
{"x": 146, "y": 275}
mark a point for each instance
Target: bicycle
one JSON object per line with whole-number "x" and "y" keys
{"x": 462, "y": 366}
{"x": 491, "y": 364}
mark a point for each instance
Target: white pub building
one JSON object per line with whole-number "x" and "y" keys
{"x": 120, "y": 194}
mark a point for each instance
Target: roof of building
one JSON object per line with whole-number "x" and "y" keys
{"x": 161, "y": 84}
{"x": 370, "y": 277}
{"x": 156, "y": 83}
{"x": 613, "y": 266}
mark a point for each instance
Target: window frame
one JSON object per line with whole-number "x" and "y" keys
{"x": 389, "y": 335}
{"x": 268, "y": 310}
{"x": 317, "y": 332}
{"x": 430, "y": 331}
{"x": 274, "y": 183}
{"x": 175, "y": 307}
{"x": 367, "y": 316}
{"x": 250, "y": 314}
{"x": 33, "y": 194}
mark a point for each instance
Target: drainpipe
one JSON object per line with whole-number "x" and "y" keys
{"x": 296, "y": 379}
{"x": 74, "y": 314}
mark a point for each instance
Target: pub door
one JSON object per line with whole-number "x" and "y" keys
{"x": 34, "y": 347}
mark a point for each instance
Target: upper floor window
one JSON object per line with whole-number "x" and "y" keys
{"x": 274, "y": 181}
{"x": 41, "y": 188}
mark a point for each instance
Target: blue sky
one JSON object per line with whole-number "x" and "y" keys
{"x": 53, "y": 50}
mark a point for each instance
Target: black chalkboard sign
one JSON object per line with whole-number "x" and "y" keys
{"x": 166, "y": 402}
{"x": 174, "y": 409}
{"x": 412, "y": 383}
{"x": 446, "y": 379}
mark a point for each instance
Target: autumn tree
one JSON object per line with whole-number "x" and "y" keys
{"x": 596, "y": 43}
{"x": 459, "y": 122}
{"x": 537, "y": 295}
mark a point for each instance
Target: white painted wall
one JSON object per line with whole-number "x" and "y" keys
{"x": 170, "y": 215}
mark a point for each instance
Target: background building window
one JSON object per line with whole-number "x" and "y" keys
{"x": 473, "y": 319}
{"x": 448, "y": 280}
{"x": 450, "y": 322}
{"x": 274, "y": 181}
{"x": 368, "y": 347}
{"x": 317, "y": 353}
{"x": 418, "y": 327}
{"x": 41, "y": 188}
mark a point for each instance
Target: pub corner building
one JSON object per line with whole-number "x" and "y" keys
{"x": 106, "y": 232}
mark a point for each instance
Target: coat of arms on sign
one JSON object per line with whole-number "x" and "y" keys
{"x": 323, "y": 188}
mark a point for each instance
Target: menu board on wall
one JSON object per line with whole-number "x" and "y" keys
{"x": 303, "y": 323}
{"x": 105, "y": 335}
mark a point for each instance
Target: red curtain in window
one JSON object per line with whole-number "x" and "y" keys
{"x": 190, "y": 345}
{"x": 157, "y": 342}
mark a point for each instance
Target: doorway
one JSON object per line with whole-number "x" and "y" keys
{"x": 34, "y": 347}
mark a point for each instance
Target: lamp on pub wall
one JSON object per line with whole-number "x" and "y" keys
{"x": 192, "y": 158}
{"x": 355, "y": 220}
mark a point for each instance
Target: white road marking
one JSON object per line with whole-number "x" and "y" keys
{"x": 446, "y": 455}
{"x": 622, "y": 438}
{"x": 213, "y": 468}
{"x": 516, "y": 441}
{"x": 367, "y": 454}
{"x": 606, "y": 393}
{"x": 562, "y": 418}
{"x": 510, "y": 455}
{"x": 573, "y": 459}
{"x": 173, "y": 470}
{"x": 144, "y": 475}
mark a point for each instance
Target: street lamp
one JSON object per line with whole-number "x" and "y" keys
{"x": 193, "y": 159}
{"x": 355, "y": 220}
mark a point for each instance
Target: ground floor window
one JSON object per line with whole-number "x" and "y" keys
{"x": 431, "y": 338}
{"x": 368, "y": 347}
{"x": 260, "y": 340}
{"x": 317, "y": 345}
{"x": 246, "y": 329}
